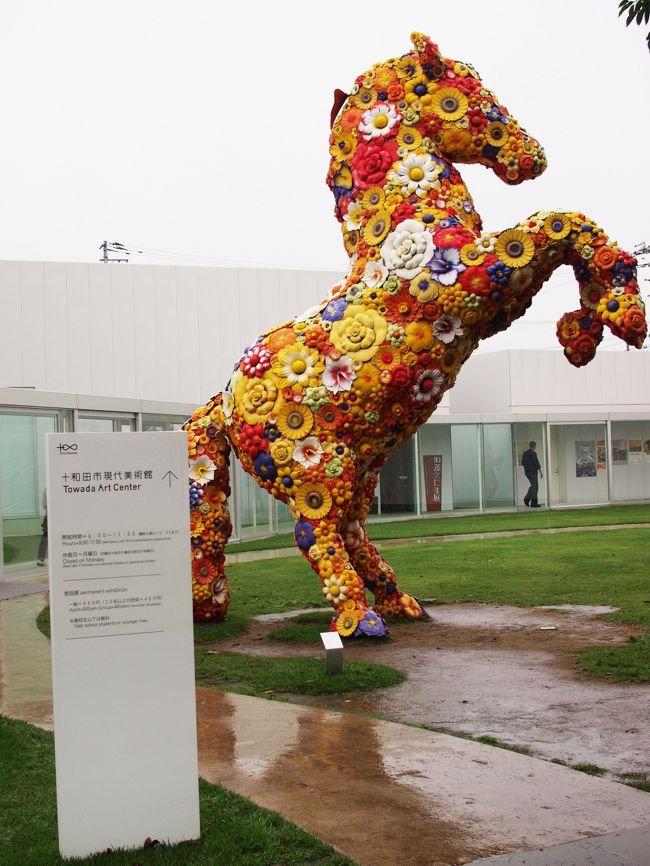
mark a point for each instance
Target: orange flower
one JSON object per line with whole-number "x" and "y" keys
{"x": 605, "y": 258}
{"x": 277, "y": 340}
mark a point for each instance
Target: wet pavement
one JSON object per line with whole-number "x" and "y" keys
{"x": 379, "y": 791}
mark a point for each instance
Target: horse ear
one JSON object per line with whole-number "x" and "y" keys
{"x": 339, "y": 99}
{"x": 428, "y": 50}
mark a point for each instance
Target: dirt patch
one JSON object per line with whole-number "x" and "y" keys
{"x": 503, "y": 672}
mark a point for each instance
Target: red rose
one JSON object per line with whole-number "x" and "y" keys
{"x": 372, "y": 161}
{"x": 400, "y": 376}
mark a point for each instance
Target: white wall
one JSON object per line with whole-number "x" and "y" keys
{"x": 148, "y": 332}
{"x": 527, "y": 381}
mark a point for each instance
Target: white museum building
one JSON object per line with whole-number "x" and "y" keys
{"x": 100, "y": 347}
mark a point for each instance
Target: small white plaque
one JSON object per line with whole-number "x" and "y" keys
{"x": 331, "y": 640}
{"x": 122, "y": 642}
{"x": 333, "y": 651}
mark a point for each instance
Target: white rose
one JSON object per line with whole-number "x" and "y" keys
{"x": 407, "y": 250}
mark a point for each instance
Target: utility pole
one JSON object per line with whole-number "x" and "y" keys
{"x": 112, "y": 247}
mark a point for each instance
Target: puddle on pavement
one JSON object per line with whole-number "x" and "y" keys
{"x": 504, "y": 672}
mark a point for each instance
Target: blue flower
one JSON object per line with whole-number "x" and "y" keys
{"x": 372, "y": 625}
{"x": 304, "y": 534}
{"x": 264, "y": 467}
{"x": 334, "y": 310}
{"x": 499, "y": 273}
{"x": 271, "y": 432}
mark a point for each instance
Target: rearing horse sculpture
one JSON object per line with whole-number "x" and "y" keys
{"x": 316, "y": 405}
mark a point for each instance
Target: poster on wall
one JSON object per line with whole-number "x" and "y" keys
{"x": 635, "y": 452}
{"x": 586, "y": 459}
{"x": 601, "y": 454}
{"x": 646, "y": 451}
{"x": 619, "y": 452}
{"x": 433, "y": 481}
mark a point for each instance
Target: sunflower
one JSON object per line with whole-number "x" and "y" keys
{"x": 328, "y": 416}
{"x": 350, "y": 241}
{"x": 590, "y": 294}
{"x": 313, "y": 500}
{"x": 373, "y": 197}
{"x": 342, "y": 145}
{"x": 449, "y": 103}
{"x": 471, "y": 255}
{"x": 409, "y": 138}
{"x": 557, "y": 226}
{"x": 514, "y": 248}
{"x": 364, "y": 97}
{"x": 496, "y": 133}
{"x": 377, "y": 228}
{"x": 347, "y": 622}
{"x": 294, "y": 420}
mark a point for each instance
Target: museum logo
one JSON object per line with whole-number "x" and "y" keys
{"x": 67, "y": 449}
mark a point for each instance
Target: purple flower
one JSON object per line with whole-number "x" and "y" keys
{"x": 264, "y": 467}
{"x": 334, "y": 310}
{"x": 445, "y": 266}
{"x": 499, "y": 273}
{"x": 304, "y": 534}
{"x": 372, "y": 625}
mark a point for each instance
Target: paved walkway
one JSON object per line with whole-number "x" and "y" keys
{"x": 381, "y": 792}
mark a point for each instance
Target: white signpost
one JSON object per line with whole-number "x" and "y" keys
{"x": 122, "y": 646}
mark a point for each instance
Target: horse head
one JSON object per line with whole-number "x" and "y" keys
{"x": 423, "y": 103}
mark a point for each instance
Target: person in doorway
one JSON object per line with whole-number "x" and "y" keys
{"x": 42, "y": 546}
{"x": 531, "y": 464}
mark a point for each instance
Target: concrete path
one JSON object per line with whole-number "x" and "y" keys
{"x": 381, "y": 792}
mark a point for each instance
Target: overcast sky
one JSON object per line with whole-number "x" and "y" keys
{"x": 201, "y": 127}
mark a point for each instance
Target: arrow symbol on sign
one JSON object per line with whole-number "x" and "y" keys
{"x": 168, "y": 475}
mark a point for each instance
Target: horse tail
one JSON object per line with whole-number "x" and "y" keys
{"x": 210, "y": 524}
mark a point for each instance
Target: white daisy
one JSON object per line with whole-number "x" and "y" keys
{"x": 378, "y": 121}
{"x": 416, "y": 174}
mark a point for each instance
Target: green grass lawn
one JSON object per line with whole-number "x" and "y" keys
{"x": 608, "y": 568}
{"x": 451, "y": 525}
{"x": 233, "y": 830}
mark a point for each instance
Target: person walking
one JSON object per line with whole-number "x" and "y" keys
{"x": 531, "y": 464}
{"x": 42, "y": 547}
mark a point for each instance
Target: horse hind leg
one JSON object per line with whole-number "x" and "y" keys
{"x": 376, "y": 573}
{"x": 210, "y": 524}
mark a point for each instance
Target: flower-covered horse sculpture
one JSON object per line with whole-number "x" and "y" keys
{"x": 315, "y": 407}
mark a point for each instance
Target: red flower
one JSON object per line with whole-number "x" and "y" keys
{"x": 404, "y": 212}
{"x": 372, "y": 161}
{"x": 475, "y": 280}
{"x": 454, "y": 236}
{"x": 252, "y": 440}
{"x": 400, "y": 375}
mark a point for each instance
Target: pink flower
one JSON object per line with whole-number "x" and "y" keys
{"x": 256, "y": 361}
{"x": 354, "y": 535}
{"x": 447, "y": 328}
{"x": 338, "y": 375}
{"x": 308, "y": 452}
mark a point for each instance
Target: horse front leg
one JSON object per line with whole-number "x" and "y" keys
{"x": 515, "y": 263}
{"x": 376, "y": 573}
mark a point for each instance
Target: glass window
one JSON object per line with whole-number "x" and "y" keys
{"x": 578, "y": 464}
{"x": 435, "y": 468}
{"x": 630, "y": 454}
{"x": 255, "y": 505}
{"x": 397, "y": 480}
{"x": 498, "y": 468}
{"x": 105, "y": 422}
{"x": 162, "y": 423}
{"x": 22, "y": 483}
{"x": 465, "y": 471}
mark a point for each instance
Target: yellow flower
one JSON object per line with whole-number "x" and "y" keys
{"x": 424, "y": 288}
{"x": 334, "y": 589}
{"x": 557, "y": 226}
{"x": 256, "y": 398}
{"x": 282, "y": 451}
{"x": 496, "y": 133}
{"x": 409, "y": 138}
{"x": 294, "y": 420}
{"x": 298, "y": 366}
{"x": 359, "y": 333}
{"x": 471, "y": 255}
{"x": 408, "y": 67}
{"x": 367, "y": 379}
{"x": 313, "y": 500}
{"x": 515, "y": 248}
{"x": 342, "y": 146}
{"x": 377, "y": 228}
{"x": 419, "y": 336}
{"x": 449, "y": 103}
{"x": 347, "y": 622}
{"x": 373, "y": 197}
{"x": 364, "y": 97}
